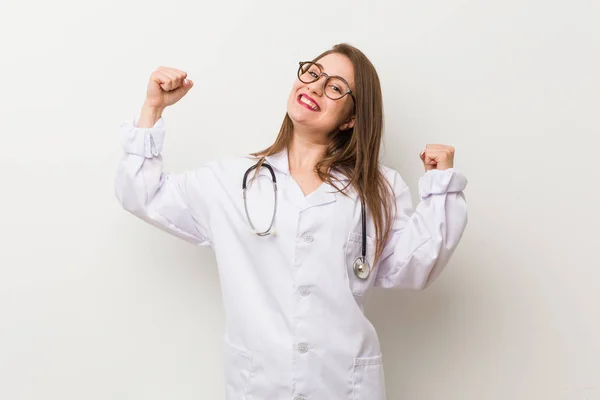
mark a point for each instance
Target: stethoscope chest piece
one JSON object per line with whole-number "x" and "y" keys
{"x": 361, "y": 268}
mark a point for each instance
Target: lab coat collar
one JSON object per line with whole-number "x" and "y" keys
{"x": 280, "y": 162}
{"x": 324, "y": 194}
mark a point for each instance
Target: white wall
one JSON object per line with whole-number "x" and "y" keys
{"x": 95, "y": 304}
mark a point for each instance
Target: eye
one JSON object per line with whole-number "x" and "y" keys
{"x": 337, "y": 89}
{"x": 313, "y": 74}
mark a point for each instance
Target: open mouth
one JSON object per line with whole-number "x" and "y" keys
{"x": 308, "y": 102}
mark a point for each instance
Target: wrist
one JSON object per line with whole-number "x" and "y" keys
{"x": 152, "y": 109}
{"x": 149, "y": 115}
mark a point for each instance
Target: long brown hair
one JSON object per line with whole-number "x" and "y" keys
{"x": 354, "y": 152}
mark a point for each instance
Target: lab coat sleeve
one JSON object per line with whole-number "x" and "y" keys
{"x": 176, "y": 203}
{"x": 423, "y": 240}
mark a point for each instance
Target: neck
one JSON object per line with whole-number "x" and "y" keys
{"x": 305, "y": 150}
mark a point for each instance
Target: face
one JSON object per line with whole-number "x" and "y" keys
{"x": 309, "y": 107}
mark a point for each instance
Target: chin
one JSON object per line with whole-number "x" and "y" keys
{"x": 300, "y": 115}
{"x": 297, "y": 121}
{"x": 296, "y": 115}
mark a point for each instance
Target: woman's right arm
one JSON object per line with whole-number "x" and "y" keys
{"x": 176, "y": 203}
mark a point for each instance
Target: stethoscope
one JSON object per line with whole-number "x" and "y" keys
{"x": 361, "y": 266}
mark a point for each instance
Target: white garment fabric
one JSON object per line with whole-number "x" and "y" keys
{"x": 295, "y": 327}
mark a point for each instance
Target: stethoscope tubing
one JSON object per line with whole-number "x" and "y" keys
{"x": 359, "y": 263}
{"x": 274, "y": 180}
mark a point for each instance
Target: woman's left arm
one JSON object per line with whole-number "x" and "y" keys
{"x": 422, "y": 240}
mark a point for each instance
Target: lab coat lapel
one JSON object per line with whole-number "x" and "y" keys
{"x": 286, "y": 186}
{"x": 324, "y": 194}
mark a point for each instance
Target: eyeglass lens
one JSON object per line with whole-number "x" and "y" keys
{"x": 335, "y": 88}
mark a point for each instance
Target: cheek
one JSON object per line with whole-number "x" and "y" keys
{"x": 290, "y": 103}
{"x": 293, "y": 94}
{"x": 339, "y": 111}
{"x": 295, "y": 87}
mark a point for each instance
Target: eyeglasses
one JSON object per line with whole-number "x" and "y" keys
{"x": 334, "y": 87}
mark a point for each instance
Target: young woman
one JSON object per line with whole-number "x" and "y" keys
{"x": 301, "y": 230}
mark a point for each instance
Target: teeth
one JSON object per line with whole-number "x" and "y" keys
{"x": 309, "y": 103}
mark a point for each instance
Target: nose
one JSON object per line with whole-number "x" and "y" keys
{"x": 316, "y": 87}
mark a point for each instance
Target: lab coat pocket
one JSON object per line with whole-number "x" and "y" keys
{"x": 353, "y": 250}
{"x": 368, "y": 382}
{"x": 238, "y": 372}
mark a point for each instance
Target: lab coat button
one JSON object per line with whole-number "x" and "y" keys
{"x": 308, "y": 238}
{"x": 302, "y": 348}
{"x": 304, "y": 291}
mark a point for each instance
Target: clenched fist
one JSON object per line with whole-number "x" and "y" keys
{"x": 437, "y": 156}
{"x": 166, "y": 87}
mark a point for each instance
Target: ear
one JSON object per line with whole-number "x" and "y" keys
{"x": 349, "y": 124}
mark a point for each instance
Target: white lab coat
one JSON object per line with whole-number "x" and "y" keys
{"x": 295, "y": 327}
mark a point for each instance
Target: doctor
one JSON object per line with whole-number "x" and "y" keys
{"x": 303, "y": 230}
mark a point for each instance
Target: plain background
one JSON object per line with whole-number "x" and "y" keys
{"x": 95, "y": 304}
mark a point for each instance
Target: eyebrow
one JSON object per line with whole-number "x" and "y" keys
{"x": 323, "y": 69}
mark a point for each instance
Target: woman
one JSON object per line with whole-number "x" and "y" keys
{"x": 295, "y": 286}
